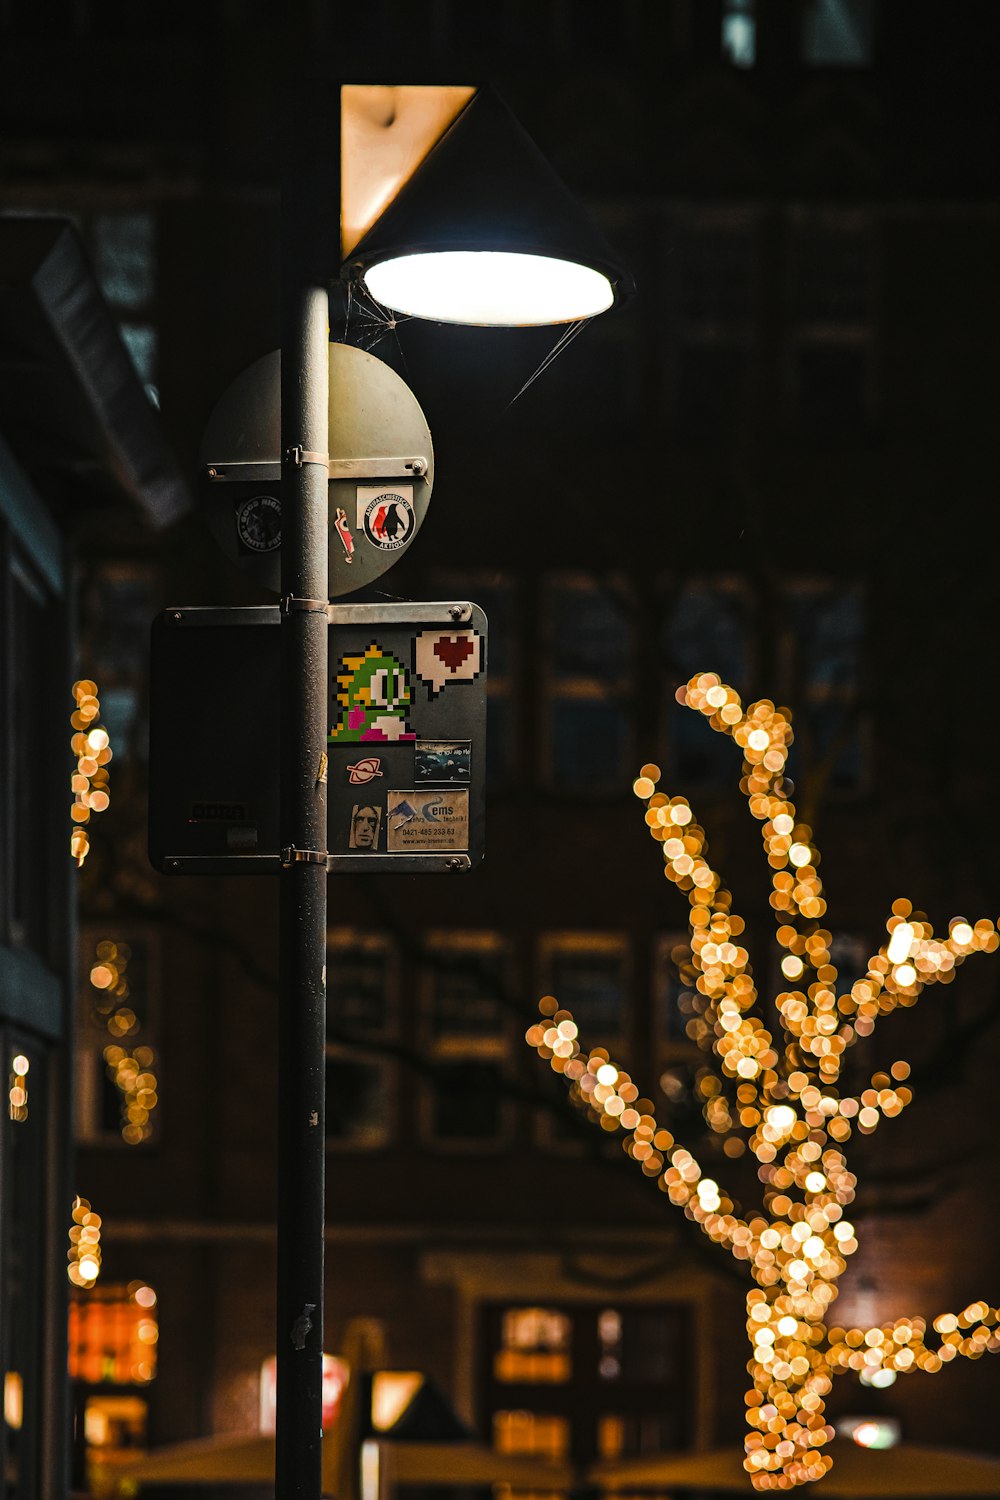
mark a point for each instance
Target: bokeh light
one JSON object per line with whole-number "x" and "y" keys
{"x": 779, "y": 1098}
{"x": 89, "y": 782}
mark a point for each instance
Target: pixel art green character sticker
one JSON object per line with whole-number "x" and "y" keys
{"x": 375, "y": 696}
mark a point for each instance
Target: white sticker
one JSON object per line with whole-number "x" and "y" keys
{"x": 385, "y": 515}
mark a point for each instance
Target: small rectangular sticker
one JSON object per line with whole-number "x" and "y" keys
{"x": 425, "y": 822}
{"x": 443, "y": 760}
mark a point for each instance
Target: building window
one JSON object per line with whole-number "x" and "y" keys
{"x": 587, "y": 1382}
{"x": 706, "y": 628}
{"x": 672, "y": 995}
{"x": 30, "y": 649}
{"x": 589, "y": 974}
{"x": 587, "y": 663}
{"x": 830, "y": 362}
{"x": 822, "y": 646}
{"x": 361, "y": 1018}
{"x": 464, "y": 1006}
{"x": 119, "y": 601}
{"x": 715, "y": 280}
{"x": 117, "y": 1058}
{"x": 837, "y": 33}
{"x": 739, "y": 33}
{"x": 24, "y": 1125}
{"x": 113, "y": 1335}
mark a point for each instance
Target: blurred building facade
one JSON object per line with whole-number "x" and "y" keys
{"x": 79, "y": 450}
{"x": 773, "y": 464}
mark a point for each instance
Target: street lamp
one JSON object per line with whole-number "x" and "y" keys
{"x": 459, "y": 185}
{"x": 486, "y": 233}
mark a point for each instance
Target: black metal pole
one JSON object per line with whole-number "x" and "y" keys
{"x": 302, "y": 917}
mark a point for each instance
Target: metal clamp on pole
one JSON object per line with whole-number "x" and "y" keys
{"x": 299, "y": 456}
{"x": 291, "y": 604}
{"x": 292, "y": 856}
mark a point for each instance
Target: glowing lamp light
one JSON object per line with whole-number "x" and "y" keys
{"x": 490, "y": 288}
{"x": 870, "y": 1432}
{"x": 485, "y": 233}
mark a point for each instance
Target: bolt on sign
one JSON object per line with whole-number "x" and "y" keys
{"x": 403, "y": 757}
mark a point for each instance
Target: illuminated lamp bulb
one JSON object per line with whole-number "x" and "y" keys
{"x": 490, "y": 288}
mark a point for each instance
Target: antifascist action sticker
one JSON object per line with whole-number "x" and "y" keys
{"x": 386, "y": 516}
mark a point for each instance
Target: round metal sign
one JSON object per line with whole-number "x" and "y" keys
{"x": 381, "y": 469}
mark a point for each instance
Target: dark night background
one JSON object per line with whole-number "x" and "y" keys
{"x": 776, "y": 462}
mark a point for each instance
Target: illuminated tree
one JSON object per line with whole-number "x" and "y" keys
{"x": 784, "y": 1103}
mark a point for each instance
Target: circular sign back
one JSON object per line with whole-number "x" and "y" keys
{"x": 381, "y": 469}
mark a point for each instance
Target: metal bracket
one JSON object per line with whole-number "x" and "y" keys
{"x": 259, "y": 470}
{"x": 291, "y": 604}
{"x": 378, "y": 468}
{"x": 292, "y": 856}
{"x": 299, "y": 456}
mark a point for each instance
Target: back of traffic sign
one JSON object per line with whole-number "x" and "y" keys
{"x": 404, "y": 756}
{"x": 381, "y": 469}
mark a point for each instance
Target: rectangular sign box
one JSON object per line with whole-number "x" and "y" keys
{"x": 406, "y": 739}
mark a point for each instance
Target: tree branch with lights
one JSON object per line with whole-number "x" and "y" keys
{"x": 789, "y": 1108}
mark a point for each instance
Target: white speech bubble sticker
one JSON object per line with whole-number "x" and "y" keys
{"x": 444, "y": 656}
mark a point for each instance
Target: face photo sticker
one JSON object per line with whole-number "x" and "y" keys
{"x": 366, "y": 825}
{"x": 375, "y": 696}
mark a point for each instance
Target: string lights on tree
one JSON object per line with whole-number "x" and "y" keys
{"x": 782, "y": 1102}
{"x": 129, "y": 1064}
{"x": 89, "y": 782}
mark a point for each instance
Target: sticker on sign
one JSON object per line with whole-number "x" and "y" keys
{"x": 426, "y": 821}
{"x": 444, "y": 656}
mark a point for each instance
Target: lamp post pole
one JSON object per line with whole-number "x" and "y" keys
{"x": 303, "y": 731}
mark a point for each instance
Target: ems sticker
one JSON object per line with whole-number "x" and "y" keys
{"x": 386, "y": 516}
{"x": 444, "y": 656}
{"x": 442, "y": 760}
{"x": 425, "y": 822}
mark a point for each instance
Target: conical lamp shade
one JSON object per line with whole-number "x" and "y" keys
{"x": 485, "y": 232}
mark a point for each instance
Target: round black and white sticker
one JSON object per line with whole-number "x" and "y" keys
{"x": 258, "y": 523}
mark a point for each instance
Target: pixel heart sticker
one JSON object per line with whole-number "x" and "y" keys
{"x": 444, "y": 656}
